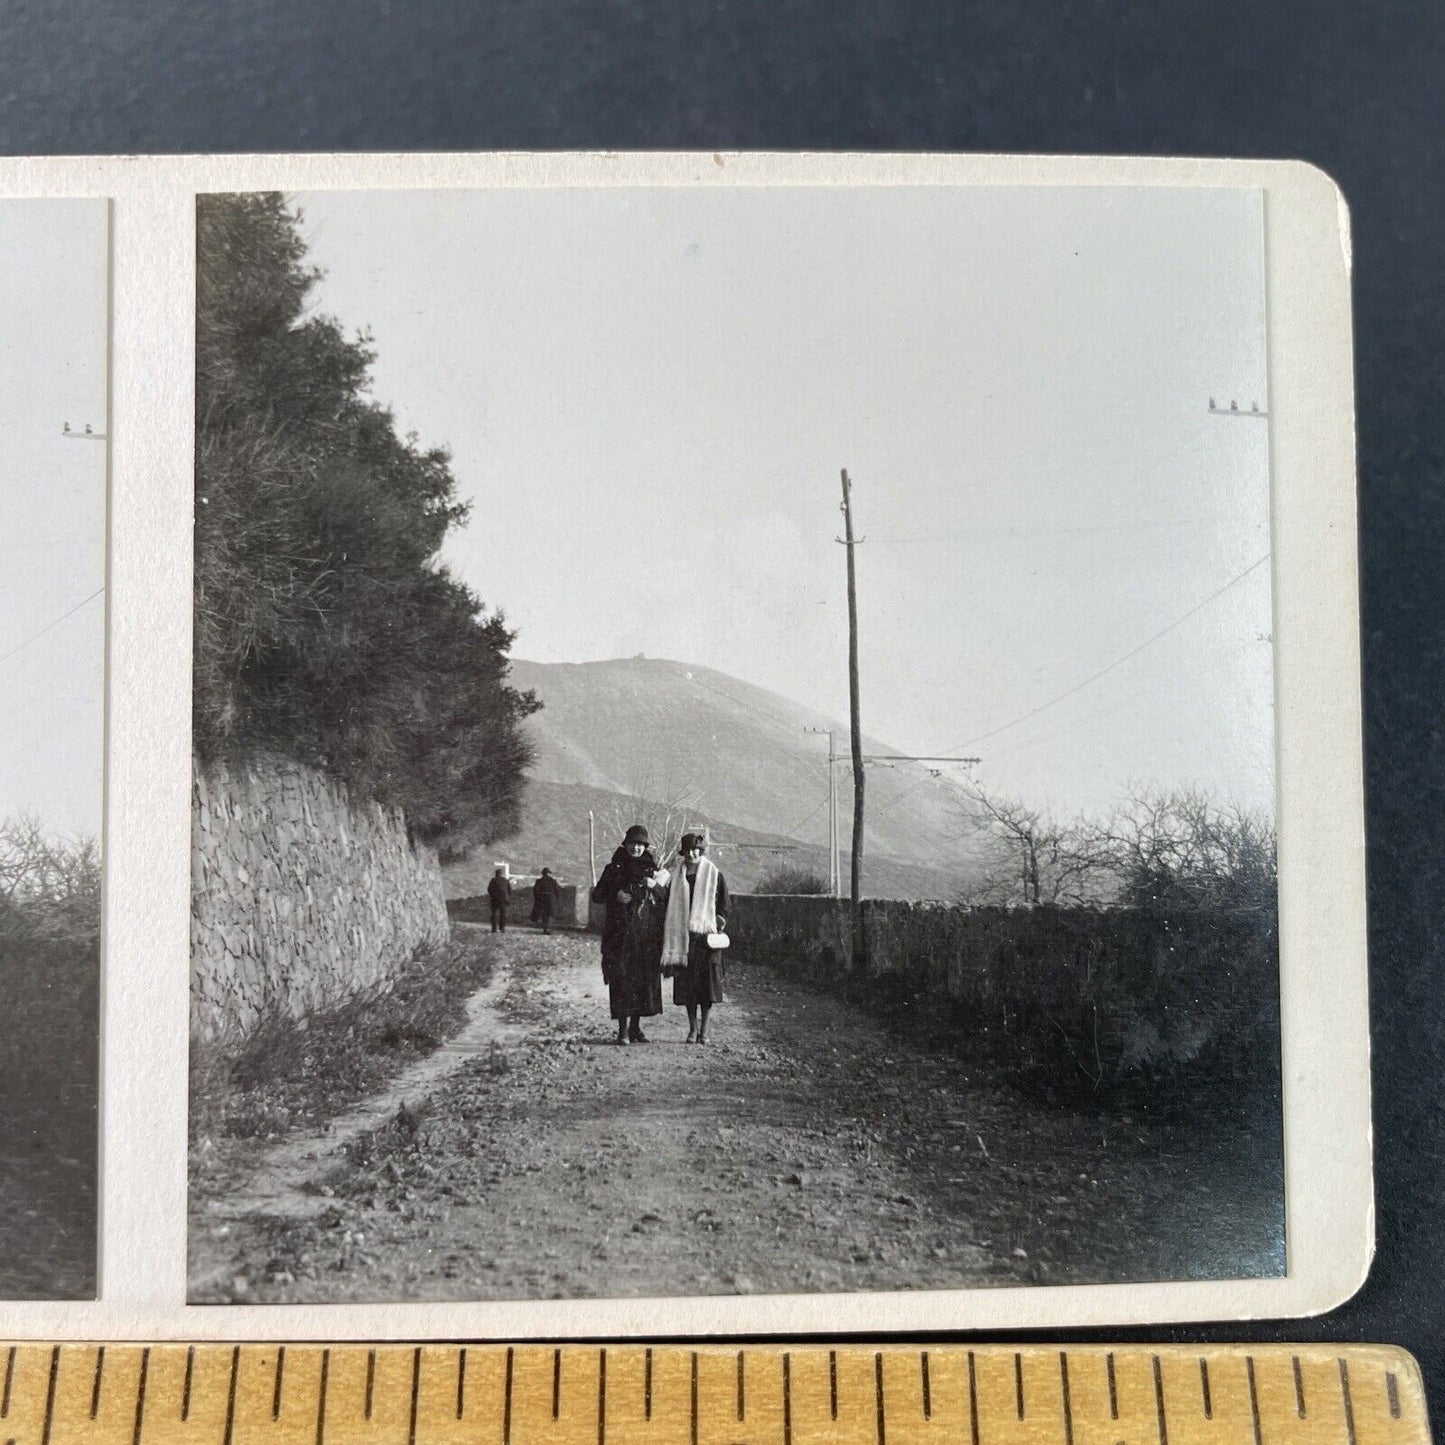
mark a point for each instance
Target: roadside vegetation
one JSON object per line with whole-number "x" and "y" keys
{"x": 50, "y": 968}
{"x": 297, "y": 1072}
{"x": 326, "y": 629}
{"x": 49, "y": 1061}
{"x": 790, "y": 880}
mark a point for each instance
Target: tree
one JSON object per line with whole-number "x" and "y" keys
{"x": 1161, "y": 850}
{"x": 663, "y": 805}
{"x": 1183, "y": 849}
{"x": 37, "y": 867}
{"x": 325, "y": 628}
{"x": 1029, "y": 857}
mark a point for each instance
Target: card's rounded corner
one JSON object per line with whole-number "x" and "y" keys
{"x": 1345, "y": 1280}
{"x": 1316, "y": 184}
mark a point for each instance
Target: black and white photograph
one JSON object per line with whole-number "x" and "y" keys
{"x": 734, "y": 740}
{"x": 54, "y": 298}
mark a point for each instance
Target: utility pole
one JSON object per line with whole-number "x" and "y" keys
{"x": 592, "y": 846}
{"x": 835, "y": 873}
{"x": 859, "y": 775}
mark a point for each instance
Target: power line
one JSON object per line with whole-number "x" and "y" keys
{"x": 1032, "y": 533}
{"x": 1117, "y": 662}
{"x": 907, "y": 792}
{"x": 50, "y": 626}
{"x": 797, "y": 827}
{"x": 1119, "y": 701}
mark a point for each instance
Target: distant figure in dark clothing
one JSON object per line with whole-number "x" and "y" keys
{"x": 631, "y": 888}
{"x": 544, "y": 900}
{"x": 697, "y": 903}
{"x": 499, "y": 890}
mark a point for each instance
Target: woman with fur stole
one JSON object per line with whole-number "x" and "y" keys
{"x": 697, "y": 904}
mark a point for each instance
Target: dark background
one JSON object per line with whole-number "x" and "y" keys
{"x": 1355, "y": 88}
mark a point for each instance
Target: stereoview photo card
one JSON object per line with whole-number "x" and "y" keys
{"x": 694, "y": 745}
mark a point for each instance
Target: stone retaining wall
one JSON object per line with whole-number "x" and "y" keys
{"x": 301, "y": 895}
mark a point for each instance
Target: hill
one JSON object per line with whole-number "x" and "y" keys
{"x": 648, "y": 737}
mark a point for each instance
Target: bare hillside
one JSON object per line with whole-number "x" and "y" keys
{"x": 729, "y": 751}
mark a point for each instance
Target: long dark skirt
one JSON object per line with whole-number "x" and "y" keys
{"x": 632, "y": 967}
{"x": 634, "y": 993}
{"x": 701, "y": 982}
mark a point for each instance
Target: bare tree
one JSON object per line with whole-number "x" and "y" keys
{"x": 1031, "y": 858}
{"x": 660, "y": 802}
{"x": 39, "y": 867}
{"x": 1184, "y": 847}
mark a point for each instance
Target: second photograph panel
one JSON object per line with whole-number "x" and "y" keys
{"x": 734, "y": 743}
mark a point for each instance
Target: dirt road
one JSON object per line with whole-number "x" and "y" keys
{"x": 803, "y": 1148}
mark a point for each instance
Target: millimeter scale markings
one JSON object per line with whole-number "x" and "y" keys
{"x": 410, "y": 1394}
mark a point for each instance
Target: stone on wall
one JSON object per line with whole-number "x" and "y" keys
{"x": 302, "y": 896}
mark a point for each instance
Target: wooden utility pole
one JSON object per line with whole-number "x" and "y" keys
{"x": 857, "y": 728}
{"x": 592, "y": 846}
{"x": 835, "y": 873}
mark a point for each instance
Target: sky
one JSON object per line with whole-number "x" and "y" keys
{"x": 649, "y": 395}
{"x": 53, "y": 361}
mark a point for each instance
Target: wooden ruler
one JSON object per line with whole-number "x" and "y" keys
{"x": 254, "y": 1394}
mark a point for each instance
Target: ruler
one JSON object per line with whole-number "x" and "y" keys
{"x": 253, "y": 1394}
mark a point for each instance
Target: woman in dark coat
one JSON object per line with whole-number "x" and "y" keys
{"x": 697, "y": 911}
{"x": 631, "y": 887}
{"x": 544, "y": 900}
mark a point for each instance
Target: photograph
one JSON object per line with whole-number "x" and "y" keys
{"x": 54, "y": 404}
{"x": 734, "y": 741}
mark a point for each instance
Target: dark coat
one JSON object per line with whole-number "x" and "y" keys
{"x": 701, "y": 980}
{"x": 544, "y": 898}
{"x": 631, "y": 935}
{"x": 499, "y": 890}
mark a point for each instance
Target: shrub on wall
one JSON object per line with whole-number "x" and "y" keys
{"x": 791, "y": 880}
{"x": 50, "y": 974}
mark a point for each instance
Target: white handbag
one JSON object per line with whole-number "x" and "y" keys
{"x": 717, "y": 940}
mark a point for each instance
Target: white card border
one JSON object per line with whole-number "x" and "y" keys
{"x": 147, "y": 827}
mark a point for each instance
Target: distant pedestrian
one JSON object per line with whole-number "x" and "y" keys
{"x": 499, "y": 890}
{"x": 544, "y": 900}
{"x": 693, "y": 939}
{"x": 631, "y": 888}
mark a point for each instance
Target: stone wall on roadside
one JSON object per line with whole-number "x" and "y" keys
{"x": 1076, "y": 995}
{"x": 302, "y": 896}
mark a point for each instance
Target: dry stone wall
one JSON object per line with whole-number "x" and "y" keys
{"x": 1062, "y": 996}
{"x": 302, "y": 896}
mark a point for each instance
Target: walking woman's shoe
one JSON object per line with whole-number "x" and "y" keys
{"x": 701, "y": 1037}
{"x": 637, "y": 1037}
{"x": 691, "y": 1037}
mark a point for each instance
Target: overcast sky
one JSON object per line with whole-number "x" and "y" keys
{"x": 53, "y": 303}
{"x": 649, "y": 394}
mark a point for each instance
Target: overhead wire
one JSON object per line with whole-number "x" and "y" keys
{"x": 51, "y": 626}
{"x": 1117, "y": 662}
{"x": 1078, "y": 687}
